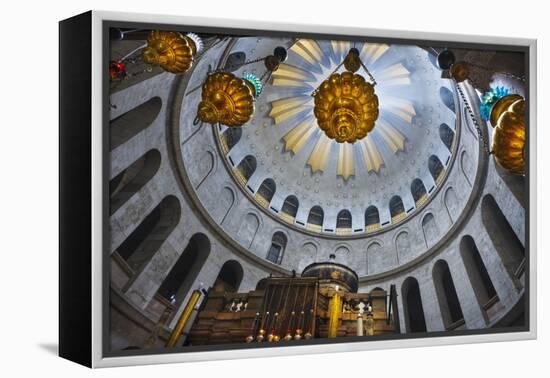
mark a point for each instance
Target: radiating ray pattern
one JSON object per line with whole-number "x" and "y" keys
{"x": 310, "y": 62}
{"x": 291, "y": 149}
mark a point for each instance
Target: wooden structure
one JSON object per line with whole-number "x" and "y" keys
{"x": 323, "y": 302}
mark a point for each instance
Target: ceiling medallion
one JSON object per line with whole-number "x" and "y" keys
{"x": 345, "y": 104}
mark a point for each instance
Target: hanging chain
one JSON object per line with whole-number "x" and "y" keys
{"x": 340, "y": 65}
{"x": 484, "y": 141}
{"x": 332, "y": 73}
{"x": 252, "y": 61}
{"x": 266, "y": 76}
{"x": 368, "y": 72}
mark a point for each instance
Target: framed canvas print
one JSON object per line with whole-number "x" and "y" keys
{"x": 234, "y": 189}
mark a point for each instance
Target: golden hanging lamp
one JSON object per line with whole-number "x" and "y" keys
{"x": 501, "y": 106}
{"x": 228, "y": 99}
{"x": 172, "y": 51}
{"x": 509, "y": 133}
{"x": 346, "y": 107}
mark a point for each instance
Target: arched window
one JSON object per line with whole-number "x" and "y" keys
{"x": 430, "y": 229}
{"x": 418, "y": 191}
{"x": 315, "y": 218}
{"x": 126, "y": 126}
{"x": 477, "y": 273}
{"x": 372, "y": 219}
{"x": 447, "y": 97}
{"x": 412, "y": 306}
{"x": 277, "y": 248}
{"x": 204, "y": 167}
{"x": 436, "y": 168}
{"x": 503, "y": 236}
{"x": 140, "y": 246}
{"x": 248, "y": 227}
{"x": 231, "y": 137}
{"x": 397, "y": 209}
{"x": 183, "y": 274}
{"x": 290, "y": 206}
{"x": 449, "y": 304}
{"x": 266, "y": 192}
{"x": 447, "y": 135}
{"x": 230, "y": 277}
{"x": 246, "y": 169}
{"x": 343, "y": 222}
{"x": 132, "y": 179}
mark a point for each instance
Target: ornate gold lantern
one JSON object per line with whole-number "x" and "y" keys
{"x": 501, "y": 106}
{"x": 508, "y": 147}
{"x": 172, "y": 51}
{"x": 346, "y": 107}
{"x": 228, "y": 99}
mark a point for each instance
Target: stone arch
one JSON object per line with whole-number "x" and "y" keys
{"x": 290, "y": 206}
{"x": 246, "y": 169}
{"x": 230, "y": 277}
{"x": 378, "y": 259}
{"x": 248, "y": 229}
{"x": 447, "y": 98}
{"x": 225, "y": 202}
{"x": 342, "y": 253}
{"x": 403, "y": 246}
{"x": 412, "y": 306}
{"x": 372, "y": 218}
{"x": 316, "y": 216}
{"x": 343, "y": 220}
{"x": 482, "y": 284}
{"x": 419, "y": 192}
{"x": 205, "y": 166}
{"x": 449, "y": 304}
{"x": 277, "y": 248}
{"x": 508, "y": 246}
{"x": 446, "y": 135}
{"x": 185, "y": 271}
{"x": 451, "y": 203}
{"x": 430, "y": 229}
{"x": 436, "y": 168}
{"x": 267, "y": 190}
{"x": 309, "y": 254}
{"x": 515, "y": 183}
{"x": 397, "y": 209}
{"x": 231, "y": 137}
{"x": 128, "y": 182}
{"x": 466, "y": 167}
{"x": 142, "y": 244}
{"x": 127, "y": 125}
